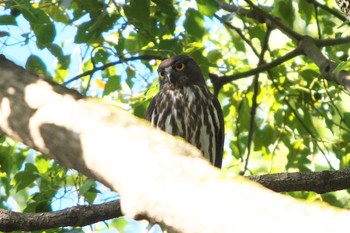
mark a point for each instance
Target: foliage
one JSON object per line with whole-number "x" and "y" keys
{"x": 301, "y": 121}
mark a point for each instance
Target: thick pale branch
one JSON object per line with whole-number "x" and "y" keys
{"x": 157, "y": 176}
{"x": 75, "y": 216}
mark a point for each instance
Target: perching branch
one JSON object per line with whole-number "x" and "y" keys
{"x": 152, "y": 171}
{"x": 319, "y": 182}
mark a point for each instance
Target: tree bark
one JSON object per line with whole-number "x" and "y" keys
{"x": 74, "y": 216}
{"x": 157, "y": 176}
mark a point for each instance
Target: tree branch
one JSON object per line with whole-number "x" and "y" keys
{"x": 326, "y": 66}
{"x": 305, "y": 44}
{"x": 221, "y": 80}
{"x": 276, "y": 22}
{"x": 152, "y": 171}
{"x": 74, "y": 216}
{"x": 327, "y": 9}
{"x": 319, "y": 182}
{"x": 105, "y": 66}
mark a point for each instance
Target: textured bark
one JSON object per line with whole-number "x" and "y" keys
{"x": 319, "y": 182}
{"x": 158, "y": 177}
{"x": 75, "y": 216}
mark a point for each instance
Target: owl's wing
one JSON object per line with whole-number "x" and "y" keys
{"x": 219, "y": 132}
{"x": 151, "y": 108}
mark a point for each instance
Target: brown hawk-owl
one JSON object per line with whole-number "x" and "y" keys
{"x": 185, "y": 107}
{"x": 345, "y": 7}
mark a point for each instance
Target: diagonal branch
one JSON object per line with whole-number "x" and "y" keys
{"x": 276, "y": 22}
{"x": 222, "y": 80}
{"x": 105, "y": 66}
{"x": 329, "y": 10}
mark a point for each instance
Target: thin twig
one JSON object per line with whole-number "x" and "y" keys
{"x": 239, "y": 32}
{"x": 277, "y": 22}
{"x": 267, "y": 66}
{"x": 318, "y": 22}
{"x": 105, "y": 66}
{"x": 308, "y": 131}
{"x": 332, "y": 11}
{"x": 254, "y": 99}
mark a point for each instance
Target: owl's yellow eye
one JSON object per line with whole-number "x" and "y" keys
{"x": 161, "y": 74}
{"x": 180, "y": 66}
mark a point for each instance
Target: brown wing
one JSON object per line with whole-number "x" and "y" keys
{"x": 219, "y": 132}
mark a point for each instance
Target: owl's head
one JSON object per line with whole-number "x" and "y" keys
{"x": 180, "y": 71}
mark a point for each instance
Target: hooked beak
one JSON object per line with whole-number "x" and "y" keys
{"x": 169, "y": 75}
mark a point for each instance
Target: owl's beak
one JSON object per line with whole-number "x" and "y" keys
{"x": 170, "y": 75}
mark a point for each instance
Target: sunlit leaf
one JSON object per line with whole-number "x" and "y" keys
{"x": 26, "y": 178}
{"x": 194, "y": 24}
{"x": 36, "y": 65}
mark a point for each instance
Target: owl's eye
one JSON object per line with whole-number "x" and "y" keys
{"x": 161, "y": 74}
{"x": 180, "y": 66}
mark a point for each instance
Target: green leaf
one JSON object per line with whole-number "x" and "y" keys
{"x": 166, "y": 14}
{"x": 258, "y": 31}
{"x": 194, "y": 24}
{"x": 7, "y": 20}
{"x": 84, "y": 35}
{"x": 214, "y": 55}
{"x": 55, "y": 12}
{"x": 207, "y": 7}
{"x": 27, "y": 177}
{"x": 88, "y": 190}
{"x": 41, "y": 24}
{"x": 55, "y": 50}
{"x": 345, "y": 65}
{"x": 91, "y": 31}
{"x": 306, "y": 10}
{"x": 36, "y": 65}
{"x": 86, "y": 186}
{"x": 35, "y": 16}
{"x": 138, "y": 13}
{"x": 45, "y": 34}
{"x": 101, "y": 55}
{"x": 112, "y": 85}
{"x": 42, "y": 164}
{"x": 152, "y": 90}
{"x": 283, "y": 9}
